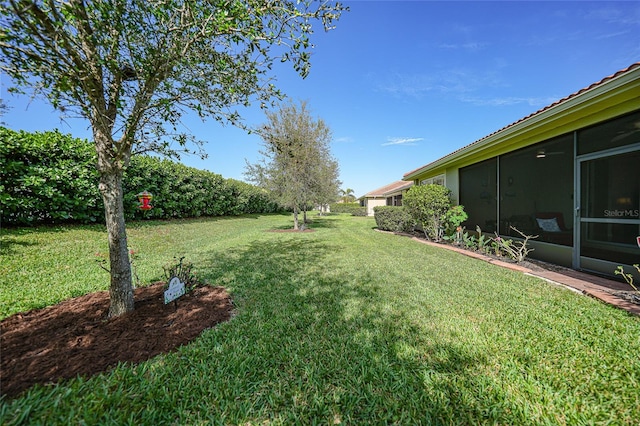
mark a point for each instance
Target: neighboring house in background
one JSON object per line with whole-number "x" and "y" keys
{"x": 569, "y": 173}
{"x": 388, "y": 195}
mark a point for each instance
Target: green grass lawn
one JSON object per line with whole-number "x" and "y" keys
{"x": 344, "y": 325}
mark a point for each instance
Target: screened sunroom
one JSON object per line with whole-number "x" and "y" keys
{"x": 569, "y": 173}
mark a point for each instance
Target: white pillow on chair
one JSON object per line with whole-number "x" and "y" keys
{"x": 549, "y": 225}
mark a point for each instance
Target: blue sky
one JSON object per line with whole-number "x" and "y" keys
{"x": 403, "y": 83}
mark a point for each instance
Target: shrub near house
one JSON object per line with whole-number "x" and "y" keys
{"x": 428, "y": 205}
{"x": 393, "y": 219}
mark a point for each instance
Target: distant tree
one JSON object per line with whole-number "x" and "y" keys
{"x": 132, "y": 68}
{"x": 297, "y": 166}
{"x": 322, "y": 175}
{"x": 327, "y": 183}
{"x": 347, "y": 195}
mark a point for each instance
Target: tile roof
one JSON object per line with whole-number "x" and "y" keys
{"x": 558, "y": 102}
{"x": 388, "y": 189}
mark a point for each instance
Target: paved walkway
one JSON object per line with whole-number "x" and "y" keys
{"x": 592, "y": 285}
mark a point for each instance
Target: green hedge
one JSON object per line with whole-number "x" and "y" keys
{"x": 180, "y": 191}
{"x": 351, "y": 208}
{"x": 49, "y": 177}
{"x": 393, "y": 218}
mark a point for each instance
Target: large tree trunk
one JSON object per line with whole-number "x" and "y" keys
{"x": 121, "y": 289}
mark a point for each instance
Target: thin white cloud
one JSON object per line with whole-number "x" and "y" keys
{"x": 509, "y": 100}
{"x": 414, "y": 85}
{"x": 612, "y": 35}
{"x": 463, "y": 85}
{"x": 344, "y": 139}
{"x": 613, "y": 15}
{"x": 402, "y": 141}
{"x": 472, "y": 46}
{"x": 418, "y": 85}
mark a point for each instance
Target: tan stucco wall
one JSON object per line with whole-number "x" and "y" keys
{"x": 370, "y": 203}
{"x": 451, "y": 182}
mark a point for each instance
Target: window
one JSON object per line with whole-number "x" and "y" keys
{"x": 437, "y": 180}
{"x": 536, "y": 191}
{"x": 395, "y": 200}
{"x": 478, "y": 195}
{"x": 612, "y": 134}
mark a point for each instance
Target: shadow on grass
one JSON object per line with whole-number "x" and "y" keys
{"x": 143, "y": 223}
{"x": 11, "y": 238}
{"x": 312, "y": 223}
{"x": 8, "y": 245}
{"x": 312, "y": 343}
{"x": 321, "y": 222}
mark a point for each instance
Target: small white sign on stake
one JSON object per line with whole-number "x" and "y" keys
{"x": 175, "y": 290}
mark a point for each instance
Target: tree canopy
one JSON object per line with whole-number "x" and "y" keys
{"x": 297, "y": 165}
{"x": 133, "y": 68}
{"x": 347, "y": 195}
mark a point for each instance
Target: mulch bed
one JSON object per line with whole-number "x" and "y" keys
{"x": 75, "y": 337}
